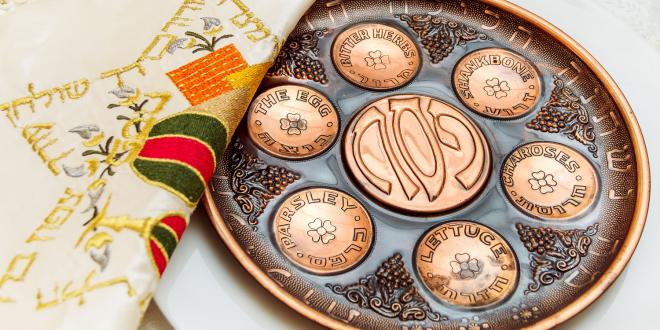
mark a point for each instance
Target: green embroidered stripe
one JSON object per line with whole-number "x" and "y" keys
{"x": 178, "y": 177}
{"x": 165, "y": 238}
{"x": 206, "y": 128}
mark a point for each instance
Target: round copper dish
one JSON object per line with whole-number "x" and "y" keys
{"x": 534, "y": 232}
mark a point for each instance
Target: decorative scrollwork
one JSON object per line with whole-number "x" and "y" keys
{"x": 254, "y": 183}
{"x": 440, "y": 36}
{"x": 565, "y": 113}
{"x": 299, "y": 58}
{"x": 389, "y": 292}
{"x": 553, "y": 252}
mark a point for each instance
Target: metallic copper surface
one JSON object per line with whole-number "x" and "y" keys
{"x": 497, "y": 83}
{"x": 416, "y": 153}
{"x": 323, "y": 230}
{"x": 467, "y": 264}
{"x": 549, "y": 180}
{"x": 376, "y": 56}
{"x": 565, "y": 265}
{"x": 293, "y": 122}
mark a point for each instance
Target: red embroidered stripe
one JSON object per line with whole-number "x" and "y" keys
{"x": 188, "y": 151}
{"x": 159, "y": 258}
{"x": 177, "y": 224}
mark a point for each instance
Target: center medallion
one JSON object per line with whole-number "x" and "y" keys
{"x": 417, "y": 154}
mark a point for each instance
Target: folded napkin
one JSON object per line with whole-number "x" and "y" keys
{"x": 112, "y": 117}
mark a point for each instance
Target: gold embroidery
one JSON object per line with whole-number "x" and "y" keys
{"x": 120, "y": 71}
{"x": 49, "y": 93}
{"x": 76, "y": 94}
{"x": 133, "y": 143}
{"x": 148, "y": 118}
{"x": 58, "y": 216}
{"x": 142, "y": 226}
{"x": 96, "y": 184}
{"x": 67, "y": 293}
{"x": 94, "y": 140}
{"x": 70, "y": 90}
{"x": 12, "y": 110}
{"x": 6, "y": 108}
{"x": 18, "y": 268}
{"x": 112, "y": 158}
{"x": 170, "y": 38}
{"x": 92, "y": 166}
{"x": 117, "y": 151}
{"x": 245, "y": 19}
{"x": 37, "y": 133}
{"x": 98, "y": 241}
{"x": 178, "y": 19}
{"x": 16, "y": 271}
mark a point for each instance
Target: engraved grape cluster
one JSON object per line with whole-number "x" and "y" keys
{"x": 440, "y": 43}
{"x": 537, "y": 240}
{"x": 549, "y": 120}
{"x": 392, "y": 275}
{"x": 439, "y": 36}
{"x": 276, "y": 179}
{"x": 298, "y": 58}
{"x": 308, "y": 68}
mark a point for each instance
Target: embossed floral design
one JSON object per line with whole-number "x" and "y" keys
{"x": 440, "y": 36}
{"x": 299, "y": 58}
{"x": 525, "y": 313}
{"x": 293, "y": 124}
{"x": 554, "y": 252}
{"x": 464, "y": 266}
{"x": 321, "y": 231}
{"x": 567, "y": 114}
{"x": 473, "y": 324}
{"x": 390, "y": 292}
{"x": 377, "y": 60}
{"x": 542, "y": 182}
{"x": 254, "y": 183}
{"x": 497, "y": 88}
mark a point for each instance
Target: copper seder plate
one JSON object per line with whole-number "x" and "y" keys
{"x": 433, "y": 165}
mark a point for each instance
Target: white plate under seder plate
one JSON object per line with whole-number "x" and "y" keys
{"x": 206, "y": 288}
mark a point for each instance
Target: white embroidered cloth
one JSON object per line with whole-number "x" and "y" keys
{"x": 111, "y": 117}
